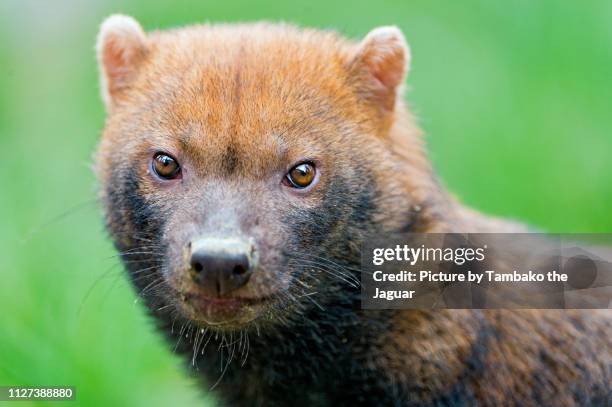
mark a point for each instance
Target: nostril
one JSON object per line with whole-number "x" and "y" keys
{"x": 197, "y": 267}
{"x": 239, "y": 270}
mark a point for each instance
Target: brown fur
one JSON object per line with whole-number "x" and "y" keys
{"x": 238, "y": 104}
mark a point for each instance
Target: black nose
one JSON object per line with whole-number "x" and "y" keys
{"x": 219, "y": 266}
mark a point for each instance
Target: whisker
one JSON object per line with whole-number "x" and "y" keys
{"x": 341, "y": 276}
{"x": 70, "y": 211}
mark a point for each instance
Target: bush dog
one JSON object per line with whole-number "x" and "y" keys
{"x": 241, "y": 167}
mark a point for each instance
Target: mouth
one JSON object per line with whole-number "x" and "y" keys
{"x": 219, "y": 311}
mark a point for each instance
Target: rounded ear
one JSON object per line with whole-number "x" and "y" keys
{"x": 381, "y": 64}
{"x": 121, "y": 47}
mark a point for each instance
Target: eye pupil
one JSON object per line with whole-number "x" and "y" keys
{"x": 165, "y": 166}
{"x": 301, "y": 175}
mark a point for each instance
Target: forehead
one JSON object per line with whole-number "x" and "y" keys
{"x": 233, "y": 90}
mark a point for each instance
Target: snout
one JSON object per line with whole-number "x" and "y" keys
{"x": 221, "y": 265}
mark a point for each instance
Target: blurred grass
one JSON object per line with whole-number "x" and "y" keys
{"x": 515, "y": 100}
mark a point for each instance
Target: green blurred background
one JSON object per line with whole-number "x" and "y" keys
{"x": 515, "y": 99}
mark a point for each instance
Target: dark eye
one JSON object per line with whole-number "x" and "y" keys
{"x": 301, "y": 175}
{"x": 165, "y": 166}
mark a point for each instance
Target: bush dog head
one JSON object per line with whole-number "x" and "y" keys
{"x": 241, "y": 166}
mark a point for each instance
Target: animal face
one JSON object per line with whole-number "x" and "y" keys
{"x": 242, "y": 166}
